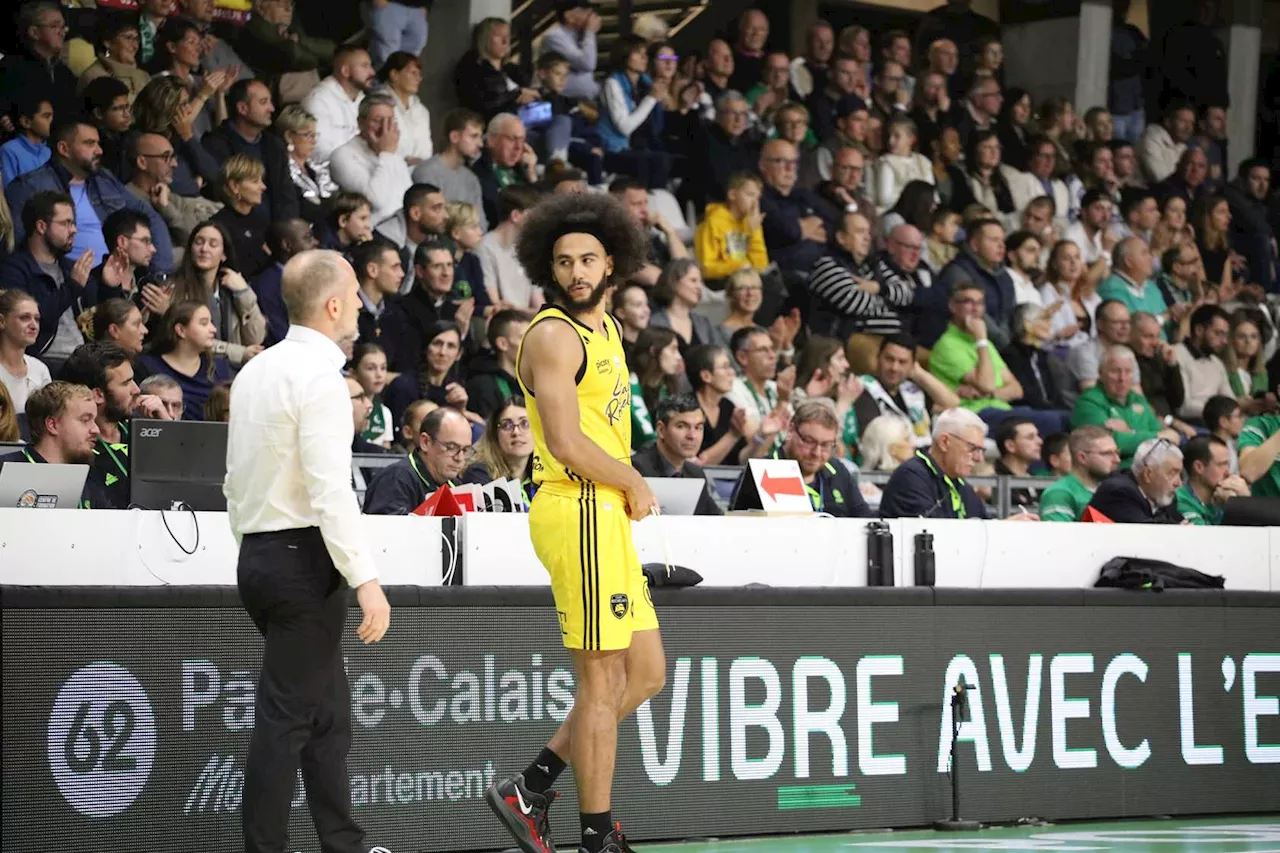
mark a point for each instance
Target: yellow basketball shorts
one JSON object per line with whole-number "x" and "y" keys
{"x": 584, "y": 542}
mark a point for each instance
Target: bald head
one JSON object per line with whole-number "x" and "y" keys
{"x": 905, "y": 243}
{"x": 1132, "y": 256}
{"x": 320, "y": 291}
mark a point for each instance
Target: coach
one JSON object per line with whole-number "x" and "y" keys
{"x": 291, "y": 508}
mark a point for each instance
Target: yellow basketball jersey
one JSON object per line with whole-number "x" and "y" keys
{"x": 604, "y": 402}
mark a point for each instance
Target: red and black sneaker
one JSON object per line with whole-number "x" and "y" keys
{"x": 523, "y": 813}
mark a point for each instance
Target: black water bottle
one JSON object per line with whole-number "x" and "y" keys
{"x": 925, "y": 559}
{"x": 879, "y": 554}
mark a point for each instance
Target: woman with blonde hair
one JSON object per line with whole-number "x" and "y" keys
{"x": 310, "y": 177}
{"x": 21, "y": 373}
{"x": 165, "y": 107}
{"x": 1246, "y": 362}
{"x": 744, "y": 293}
{"x": 242, "y": 185}
{"x": 886, "y": 443}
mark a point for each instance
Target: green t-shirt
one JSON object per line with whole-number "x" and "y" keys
{"x": 1149, "y": 300}
{"x": 955, "y": 355}
{"x": 1065, "y": 500}
{"x": 1095, "y": 407}
{"x": 1256, "y": 431}
{"x": 1194, "y": 510}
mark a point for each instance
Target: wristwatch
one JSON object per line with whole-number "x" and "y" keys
{"x": 1168, "y": 420}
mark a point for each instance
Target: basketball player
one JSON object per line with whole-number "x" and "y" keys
{"x": 571, "y": 366}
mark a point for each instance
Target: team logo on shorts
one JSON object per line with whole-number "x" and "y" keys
{"x": 620, "y": 605}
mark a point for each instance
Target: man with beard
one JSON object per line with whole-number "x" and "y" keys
{"x": 1147, "y": 492}
{"x": 811, "y": 442}
{"x": 61, "y": 416}
{"x": 105, "y": 369}
{"x": 336, "y": 101}
{"x": 1094, "y": 458}
{"x": 1203, "y": 373}
{"x": 680, "y": 422}
{"x": 95, "y": 192}
{"x": 571, "y": 365}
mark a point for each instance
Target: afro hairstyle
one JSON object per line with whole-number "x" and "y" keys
{"x": 598, "y": 214}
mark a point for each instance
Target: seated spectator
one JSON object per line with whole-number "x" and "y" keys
{"x": 379, "y": 271}
{"x": 843, "y": 193}
{"x": 96, "y": 193}
{"x": 901, "y": 387}
{"x": 1022, "y": 255}
{"x": 1115, "y": 403}
{"x": 1040, "y": 179}
{"x": 981, "y": 263}
{"x": 794, "y": 231}
{"x": 812, "y": 438}
{"x": 730, "y": 236}
{"x": 178, "y": 54}
{"x": 852, "y": 130}
{"x": 772, "y": 89}
{"x": 1245, "y": 361}
{"x": 1158, "y": 372}
{"x": 422, "y": 217}
{"x": 932, "y": 109}
{"x": 1096, "y": 172}
{"x": 184, "y": 351}
{"x": 1162, "y": 145}
{"x": 165, "y": 107}
{"x": 1093, "y": 235}
{"x": 678, "y": 293}
{"x": 463, "y": 227}
{"x": 505, "y": 449}
{"x": 1259, "y": 449}
{"x": 407, "y": 432}
{"x": 449, "y": 169}
{"x": 438, "y": 377}
{"x": 348, "y": 223}
{"x": 1141, "y": 214}
{"x": 1199, "y": 359}
{"x": 948, "y": 172}
{"x": 368, "y": 162}
{"x": 209, "y": 276}
{"x": 761, "y": 389}
{"x": 485, "y": 81}
{"x": 1130, "y": 282}
{"x": 151, "y": 160}
{"x": 931, "y": 484}
{"x": 1019, "y": 443}
{"x": 1038, "y": 219}
{"x": 507, "y": 160}
{"x": 369, "y": 370}
{"x": 285, "y": 238}
{"x": 361, "y": 409}
{"x": 809, "y": 72}
{"x": 64, "y": 431}
{"x": 118, "y": 43}
{"x": 1209, "y": 483}
{"x": 723, "y": 149}
{"x": 244, "y": 215}
{"x": 845, "y": 79}
{"x": 1251, "y": 233}
{"x": 900, "y": 164}
{"x": 120, "y": 322}
{"x": 1093, "y": 458}
{"x": 886, "y": 443}
{"x": 744, "y": 294}
{"x": 1189, "y": 180}
{"x": 980, "y": 109}
{"x": 283, "y": 54}
{"x": 493, "y": 374}
{"x": 311, "y": 182}
{"x": 28, "y": 150}
{"x": 401, "y": 77}
{"x": 1224, "y": 419}
{"x": 440, "y": 454}
{"x": 1147, "y": 492}
{"x": 1124, "y": 162}
{"x": 216, "y": 53}
{"x": 1114, "y": 329}
{"x": 165, "y": 389}
{"x": 20, "y": 373}
{"x": 630, "y": 307}
{"x": 940, "y": 244}
{"x": 1055, "y": 455}
{"x": 1098, "y": 124}
{"x": 1212, "y": 220}
{"x": 128, "y": 236}
{"x": 680, "y": 423}
{"x": 1015, "y": 128}
{"x": 35, "y": 70}
{"x": 335, "y": 103}
{"x": 631, "y": 118}
{"x": 791, "y": 122}
{"x": 657, "y": 373}
{"x": 1029, "y": 359}
{"x": 711, "y": 376}
{"x": 915, "y": 207}
{"x": 505, "y": 279}
{"x": 431, "y": 301}
{"x": 991, "y": 182}
{"x": 245, "y": 132}
{"x": 573, "y": 36}
{"x": 106, "y": 103}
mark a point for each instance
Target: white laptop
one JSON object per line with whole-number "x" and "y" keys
{"x": 39, "y": 486}
{"x": 677, "y": 495}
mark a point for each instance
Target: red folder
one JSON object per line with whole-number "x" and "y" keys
{"x": 1091, "y": 514}
{"x": 441, "y": 503}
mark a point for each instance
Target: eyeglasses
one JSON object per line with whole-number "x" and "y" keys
{"x": 457, "y": 451}
{"x": 783, "y": 161}
{"x": 735, "y": 113}
{"x": 167, "y": 156}
{"x": 508, "y": 425}
{"x": 361, "y": 396}
{"x": 813, "y": 444}
{"x": 1141, "y": 461}
{"x": 971, "y": 448}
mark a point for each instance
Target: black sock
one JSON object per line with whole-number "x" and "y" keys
{"x": 543, "y": 772}
{"x": 594, "y": 828}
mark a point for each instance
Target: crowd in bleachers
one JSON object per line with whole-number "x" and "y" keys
{"x": 879, "y": 255}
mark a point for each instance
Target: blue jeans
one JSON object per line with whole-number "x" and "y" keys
{"x": 1129, "y": 126}
{"x": 395, "y": 27}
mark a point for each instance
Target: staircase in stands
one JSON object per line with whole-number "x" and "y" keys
{"x": 531, "y": 18}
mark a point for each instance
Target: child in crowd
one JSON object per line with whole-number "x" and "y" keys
{"x": 350, "y": 221}
{"x": 569, "y": 135}
{"x": 369, "y": 365}
{"x": 940, "y": 245}
{"x": 901, "y": 164}
{"x": 463, "y": 225}
{"x": 731, "y": 235}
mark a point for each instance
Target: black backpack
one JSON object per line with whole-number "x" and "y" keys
{"x": 1143, "y": 573}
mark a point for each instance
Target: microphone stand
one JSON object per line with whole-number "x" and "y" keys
{"x": 959, "y": 714}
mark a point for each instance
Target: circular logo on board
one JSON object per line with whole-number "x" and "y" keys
{"x": 27, "y": 499}
{"x": 102, "y": 739}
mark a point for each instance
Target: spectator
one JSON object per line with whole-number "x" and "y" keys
{"x": 980, "y": 110}
{"x": 1199, "y": 359}
{"x": 1055, "y": 455}
{"x": 900, "y": 387}
{"x": 852, "y": 130}
{"x": 1116, "y": 403}
{"x": 241, "y": 184}
{"x": 1212, "y": 217}
{"x": 1224, "y": 419}
{"x": 1146, "y": 493}
{"x": 722, "y": 150}
{"x": 1245, "y": 362}
{"x": 1022, "y": 251}
{"x": 28, "y": 150}
{"x": 448, "y": 170}
{"x": 711, "y": 375}
{"x": 844, "y": 79}
{"x": 1093, "y": 235}
{"x": 1030, "y": 362}
{"x": 1191, "y": 63}
{"x": 439, "y": 456}
{"x": 493, "y": 374}
{"x": 678, "y": 293}
{"x": 128, "y": 237}
{"x": 120, "y": 322}
{"x": 949, "y": 177}
{"x": 9, "y": 430}
{"x": 184, "y": 351}
{"x": 504, "y": 276}
{"x": 507, "y": 160}
{"x": 245, "y": 132}
{"x": 1259, "y": 448}
{"x": 96, "y": 194}
{"x": 888, "y": 97}
{"x": 463, "y": 227}
{"x": 665, "y": 242}
{"x": 283, "y": 54}
{"x": 794, "y": 231}
{"x": 811, "y": 440}
{"x": 437, "y": 376}
{"x": 809, "y": 72}
{"x": 167, "y": 391}
{"x": 1094, "y": 457}
{"x": 118, "y": 39}
{"x": 991, "y": 182}
{"x": 422, "y": 217}
{"x": 632, "y": 116}
{"x": 151, "y": 159}
{"x": 853, "y": 297}
{"x": 773, "y": 90}
{"x": 843, "y": 193}
{"x": 1038, "y": 218}
{"x": 1114, "y": 325}
{"x": 368, "y": 163}
{"x": 378, "y": 269}
{"x": 106, "y": 103}
{"x": 1128, "y": 70}
{"x": 1212, "y": 140}
{"x": 886, "y": 443}
{"x": 397, "y": 26}
{"x": 505, "y": 450}
{"x": 61, "y": 418}
{"x": 749, "y": 50}
{"x": 631, "y": 309}
{"x": 20, "y": 373}
{"x": 1019, "y": 443}
{"x": 932, "y": 110}
{"x": 760, "y": 390}
{"x": 178, "y": 55}
{"x": 1188, "y": 180}
{"x": 730, "y": 236}
{"x": 361, "y": 409}
{"x": 36, "y": 71}
{"x": 210, "y": 276}
{"x": 931, "y": 484}
{"x": 152, "y": 16}
{"x": 680, "y": 424}
{"x": 658, "y": 373}
{"x": 1251, "y": 233}
{"x": 957, "y": 22}
{"x": 406, "y": 433}
{"x": 165, "y": 107}
{"x": 901, "y": 164}
{"x": 1158, "y": 372}
{"x": 285, "y": 238}
{"x": 944, "y": 227}
{"x": 1058, "y": 124}
{"x": 1014, "y": 128}
{"x": 1210, "y": 483}
{"x": 401, "y": 77}
{"x": 1141, "y": 214}
{"x": 823, "y": 373}
{"x": 981, "y": 263}
{"x": 717, "y": 70}
{"x": 573, "y": 36}
{"x": 335, "y": 102}
{"x": 216, "y": 53}
{"x": 485, "y": 81}
{"x": 369, "y": 369}
{"x": 1162, "y": 145}
{"x": 313, "y": 186}
{"x": 1130, "y": 282}
{"x": 1039, "y": 179}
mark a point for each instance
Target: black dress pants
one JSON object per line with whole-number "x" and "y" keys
{"x": 299, "y": 602}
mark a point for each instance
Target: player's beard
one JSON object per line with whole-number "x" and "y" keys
{"x": 587, "y": 303}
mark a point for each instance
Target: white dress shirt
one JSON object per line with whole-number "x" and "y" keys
{"x": 415, "y": 129}
{"x": 381, "y": 178}
{"x": 337, "y": 117}
{"x": 289, "y": 450}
